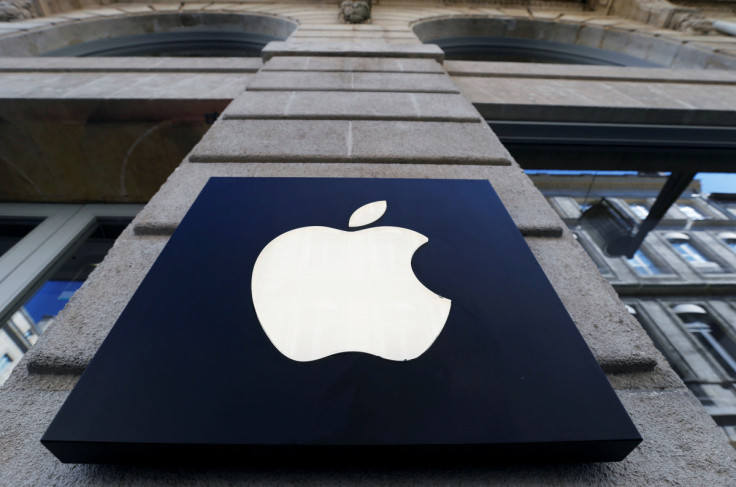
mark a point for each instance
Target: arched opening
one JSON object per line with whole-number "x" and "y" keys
{"x": 197, "y": 34}
{"x": 538, "y": 41}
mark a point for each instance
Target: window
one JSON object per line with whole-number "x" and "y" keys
{"x": 683, "y": 245}
{"x": 640, "y": 211}
{"x": 719, "y": 345}
{"x": 644, "y": 265}
{"x": 50, "y": 251}
{"x": 690, "y": 212}
{"x": 729, "y": 238}
{"x": 5, "y": 362}
{"x": 12, "y": 230}
{"x": 597, "y": 259}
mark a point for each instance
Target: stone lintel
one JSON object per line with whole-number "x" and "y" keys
{"x": 352, "y": 81}
{"x": 352, "y": 49}
{"x": 325, "y": 105}
{"x": 353, "y": 64}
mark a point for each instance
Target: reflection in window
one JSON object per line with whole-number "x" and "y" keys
{"x": 699, "y": 392}
{"x": 710, "y": 334}
{"x": 5, "y": 362}
{"x": 30, "y": 320}
{"x": 691, "y": 212}
{"x": 683, "y": 246}
{"x": 688, "y": 252}
{"x": 640, "y": 211}
{"x": 644, "y": 265}
{"x": 729, "y": 238}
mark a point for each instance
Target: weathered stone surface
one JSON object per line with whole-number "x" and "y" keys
{"x": 352, "y": 81}
{"x": 358, "y": 141}
{"x": 352, "y": 106}
{"x": 604, "y": 101}
{"x": 274, "y": 140}
{"x": 77, "y": 332}
{"x": 356, "y": 64}
{"x": 661, "y": 377}
{"x": 352, "y": 49}
{"x": 432, "y": 142}
{"x": 616, "y": 339}
{"x": 682, "y": 446}
{"x": 582, "y": 72}
{"x": 522, "y": 200}
{"x": 79, "y": 85}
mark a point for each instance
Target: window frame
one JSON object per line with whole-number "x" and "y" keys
{"x": 24, "y": 266}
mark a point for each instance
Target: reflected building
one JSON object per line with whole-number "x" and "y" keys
{"x": 679, "y": 284}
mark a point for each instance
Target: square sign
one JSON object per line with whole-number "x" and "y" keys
{"x": 336, "y": 320}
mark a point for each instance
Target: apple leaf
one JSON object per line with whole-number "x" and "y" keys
{"x": 367, "y": 214}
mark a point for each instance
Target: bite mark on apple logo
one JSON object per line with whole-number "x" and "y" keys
{"x": 319, "y": 291}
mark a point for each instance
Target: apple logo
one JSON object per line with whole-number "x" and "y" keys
{"x": 319, "y": 291}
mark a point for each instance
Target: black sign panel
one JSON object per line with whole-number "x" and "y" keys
{"x": 189, "y": 374}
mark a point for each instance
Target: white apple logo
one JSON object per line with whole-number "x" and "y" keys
{"x": 319, "y": 291}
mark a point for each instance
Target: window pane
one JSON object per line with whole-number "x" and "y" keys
{"x": 12, "y": 230}
{"x": 639, "y": 210}
{"x": 31, "y": 319}
{"x": 731, "y": 244}
{"x": 688, "y": 252}
{"x": 643, "y": 265}
{"x": 718, "y": 344}
{"x": 691, "y": 212}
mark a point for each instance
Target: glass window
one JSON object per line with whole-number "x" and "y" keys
{"x": 640, "y": 211}
{"x": 5, "y": 362}
{"x": 644, "y": 265}
{"x": 38, "y": 311}
{"x": 49, "y": 250}
{"x": 710, "y": 334}
{"x": 691, "y": 212}
{"x": 688, "y": 252}
{"x": 729, "y": 238}
{"x": 12, "y": 230}
{"x": 693, "y": 255}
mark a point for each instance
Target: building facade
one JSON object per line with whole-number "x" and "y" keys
{"x": 680, "y": 282}
{"x": 151, "y": 98}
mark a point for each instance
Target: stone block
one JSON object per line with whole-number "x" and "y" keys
{"x": 358, "y": 141}
{"x": 351, "y": 106}
{"x": 590, "y": 36}
{"x": 354, "y": 64}
{"x": 352, "y": 81}
{"x": 721, "y": 61}
{"x": 78, "y": 330}
{"x": 431, "y": 142}
{"x": 681, "y": 442}
{"x": 615, "y": 40}
{"x": 352, "y": 49}
{"x": 524, "y": 202}
{"x": 274, "y": 140}
{"x": 589, "y": 73}
{"x": 661, "y": 377}
{"x": 131, "y": 64}
{"x": 615, "y": 337}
